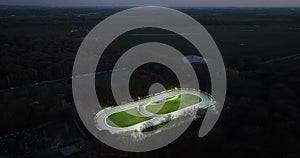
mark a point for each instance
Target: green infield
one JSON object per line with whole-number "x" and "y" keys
{"x": 172, "y": 104}
{"x": 126, "y": 118}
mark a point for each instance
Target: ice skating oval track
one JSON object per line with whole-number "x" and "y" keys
{"x": 101, "y": 118}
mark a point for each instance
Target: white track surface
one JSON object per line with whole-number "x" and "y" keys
{"x": 102, "y": 116}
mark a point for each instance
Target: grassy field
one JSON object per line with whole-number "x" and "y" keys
{"x": 132, "y": 116}
{"x": 172, "y": 104}
{"x": 126, "y": 118}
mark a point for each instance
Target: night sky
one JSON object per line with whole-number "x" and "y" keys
{"x": 153, "y": 2}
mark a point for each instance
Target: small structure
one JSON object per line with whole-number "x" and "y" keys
{"x": 194, "y": 59}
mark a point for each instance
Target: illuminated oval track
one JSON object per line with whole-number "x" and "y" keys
{"x": 103, "y": 122}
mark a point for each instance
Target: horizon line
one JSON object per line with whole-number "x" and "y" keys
{"x": 125, "y": 6}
